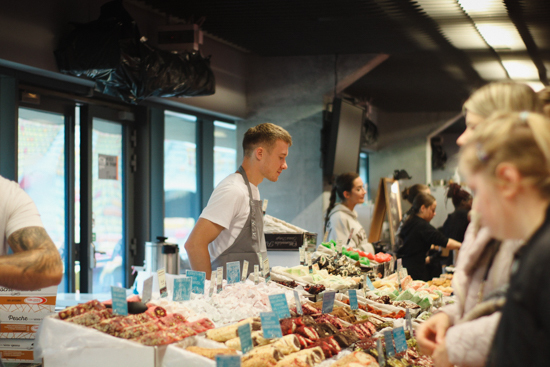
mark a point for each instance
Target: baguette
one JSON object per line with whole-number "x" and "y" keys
{"x": 211, "y": 353}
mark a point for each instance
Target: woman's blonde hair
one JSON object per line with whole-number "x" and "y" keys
{"x": 503, "y": 96}
{"x": 522, "y": 139}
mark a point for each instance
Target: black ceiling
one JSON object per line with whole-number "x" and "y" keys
{"x": 424, "y": 72}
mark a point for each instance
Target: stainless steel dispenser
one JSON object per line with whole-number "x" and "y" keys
{"x": 162, "y": 254}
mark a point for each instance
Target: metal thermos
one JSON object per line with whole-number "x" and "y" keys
{"x": 162, "y": 255}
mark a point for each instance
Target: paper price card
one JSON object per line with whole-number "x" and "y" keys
{"x": 267, "y": 270}
{"x": 245, "y": 335}
{"x": 381, "y": 359}
{"x": 399, "y": 280}
{"x": 279, "y": 305}
{"x": 298, "y": 303}
{"x": 219, "y": 279}
{"x": 339, "y": 245}
{"x": 328, "y": 301}
{"x": 228, "y": 361}
{"x": 233, "y": 272}
{"x": 120, "y": 304}
{"x": 256, "y": 274}
{"x": 400, "y": 339}
{"x": 409, "y": 321}
{"x": 162, "y": 283}
{"x": 182, "y": 289}
{"x": 390, "y": 352}
{"x": 212, "y": 283}
{"x": 302, "y": 256}
{"x": 270, "y": 325}
{"x": 367, "y": 283}
{"x": 353, "y": 304}
{"x": 245, "y": 270}
{"x": 147, "y": 290}
{"x": 198, "y": 280}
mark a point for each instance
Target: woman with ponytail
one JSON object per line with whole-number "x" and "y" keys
{"x": 341, "y": 217}
{"x": 418, "y": 235}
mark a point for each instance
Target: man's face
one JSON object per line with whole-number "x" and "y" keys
{"x": 274, "y": 161}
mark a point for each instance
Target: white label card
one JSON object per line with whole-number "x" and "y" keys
{"x": 147, "y": 290}
{"x": 162, "y": 282}
{"x": 212, "y": 283}
{"x": 245, "y": 270}
{"x": 219, "y": 279}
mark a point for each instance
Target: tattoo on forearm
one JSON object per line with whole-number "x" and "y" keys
{"x": 34, "y": 250}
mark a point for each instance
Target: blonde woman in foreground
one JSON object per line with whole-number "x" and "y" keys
{"x": 507, "y": 165}
{"x": 462, "y": 333}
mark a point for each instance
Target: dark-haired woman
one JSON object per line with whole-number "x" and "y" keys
{"x": 341, "y": 217}
{"x": 418, "y": 235}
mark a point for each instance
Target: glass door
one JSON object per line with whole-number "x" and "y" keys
{"x": 108, "y": 179}
{"x": 102, "y": 192}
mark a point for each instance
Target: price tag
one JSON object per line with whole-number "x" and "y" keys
{"x": 400, "y": 339}
{"x": 353, "y": 304}
{"x": 245, "y": 270}
{"x": 256, "y": 274}
{"x": 399, "y": 280}
{"x": 405, "y": 272}
{"x": 198, "y": 280}
{"x": 381, "y": 358}
{"x": 298, "y": 303}
{"x": 328, "y": 301}
{"x": 162, "y": 283}
{"x": 233, "y": 272}
{"x": 261, "y": 262}
{"x": 219, "y": 279}
{"x": 228, "y": 361}
{"x": 302, "y": 255}
{"x": 212, "y": 283}
{"x": 367, "y": 283}
{"x": 409, "y": 320}
{"x": 147, "y": 290}
{"x": 264, "y": 206}
{"x": 120, "y": 304}
{"x": 339, "y": 245}
{"x": 245, "y": 335}
{"x": 182, "y": 289}
{"x": 390, "y": 352}
{"x": 279, "y": 305}
{"x": 267, "y": 270}
{"x": 270, "y": 325}
{"x": 399, "y": 265}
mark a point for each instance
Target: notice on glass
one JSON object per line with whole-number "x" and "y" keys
{"x": 233, "y": 272}
{"x": 182, "y": 289}
{"x": 107, "y": 167}
{"x": 198, "y": 280}
{"x": 279, "y": 305}
{"x": 120, "y": 304}
{"x": 270, "y": 325}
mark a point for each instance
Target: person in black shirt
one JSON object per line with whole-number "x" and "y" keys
{"x": 507, "y": 165}
{"x": 454, "y": 227}
{"x": 417, "y": 237}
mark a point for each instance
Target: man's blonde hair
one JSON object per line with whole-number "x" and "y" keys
{"x": 522, "y": 139}
{"x": 503, "y": 96}
{"x": 265, "y": 135}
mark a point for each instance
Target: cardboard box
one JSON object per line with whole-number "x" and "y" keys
{"x": 21, "y": 312}
{"x": 17, "y": 350}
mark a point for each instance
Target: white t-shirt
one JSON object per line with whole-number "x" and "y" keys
{"x": 17, "y": 210}
{"x": 228, "y": 207}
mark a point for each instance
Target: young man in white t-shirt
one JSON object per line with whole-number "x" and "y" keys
{"x": 35, "y": 262}
{"x": 225, "y": 223}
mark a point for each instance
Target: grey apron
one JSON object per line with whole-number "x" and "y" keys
{"x": 250, "y": 242}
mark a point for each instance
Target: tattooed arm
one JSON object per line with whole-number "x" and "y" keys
{"x": 35, "y": 262}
